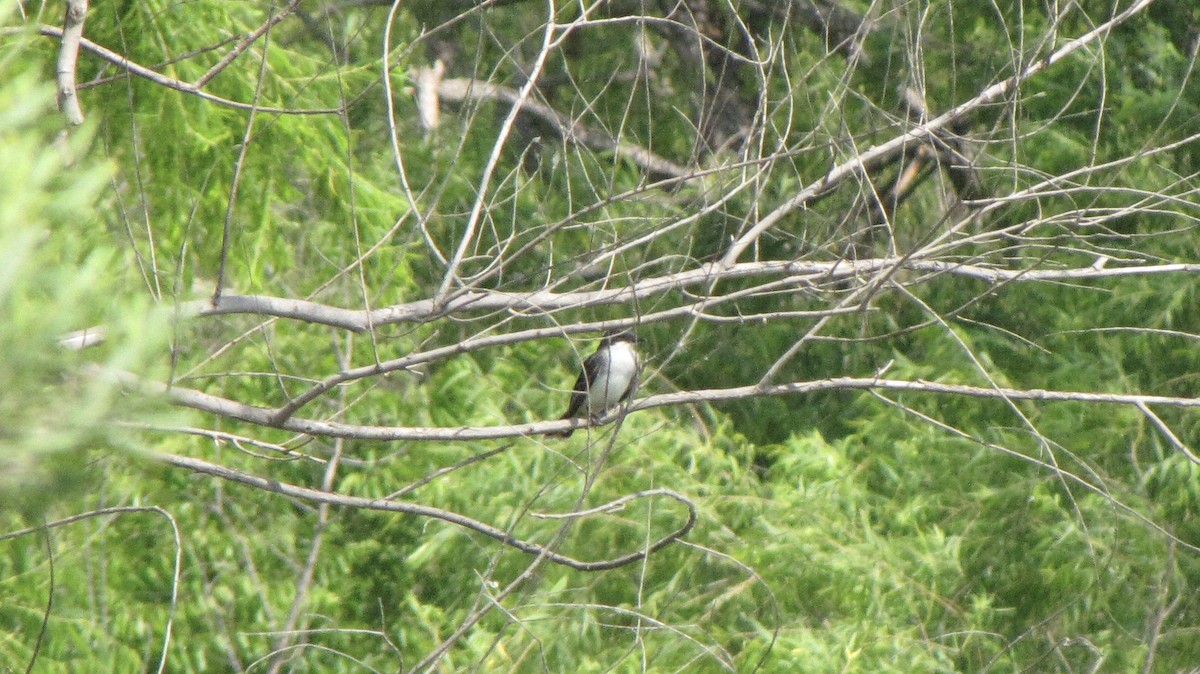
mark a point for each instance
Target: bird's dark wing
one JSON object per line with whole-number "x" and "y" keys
{"x": 583, "y": 384}
{"x": 578, "y": 397}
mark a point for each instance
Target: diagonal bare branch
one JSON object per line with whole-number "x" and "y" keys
{"x": 418, "y": 510}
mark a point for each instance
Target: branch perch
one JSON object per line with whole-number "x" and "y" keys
{"x": 261, "y": 416}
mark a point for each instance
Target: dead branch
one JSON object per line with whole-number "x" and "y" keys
{"x": 68, "y": 56}
{"x": 261, "y": 416}
{"x": 461, "y": 89}
{"x": 883, "y": 152}
{"x": 418, "y": 510}
{"x": 544, "y": 302}
{"x": 178, "y": 85}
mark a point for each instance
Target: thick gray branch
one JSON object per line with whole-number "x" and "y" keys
{"x": 267, "y": 417}
{"x": 544, "y": 302}
{"x": 68, "y": 56}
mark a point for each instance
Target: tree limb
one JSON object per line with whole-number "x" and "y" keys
{"x": 543, "y": 302}
{"x": 417, "y": 510}
{"x": 462, "y": 89}
{"x": 266, "y": 417}
{"x": 863, "y": 161}
{"x": 178, "y": 85}
{"x": 68, "y": 56}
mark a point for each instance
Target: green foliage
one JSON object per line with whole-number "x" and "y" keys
{"x": 63, "y": 408}
{"x": 57, "y": 278}
{"x": 842, "y": 531}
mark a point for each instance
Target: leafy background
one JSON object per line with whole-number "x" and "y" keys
{"x": 838, "y": 531}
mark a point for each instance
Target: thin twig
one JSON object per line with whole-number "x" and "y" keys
{"x": 571, "y": 131}
{"x": 489, "y": 169}
{"x": 1166, "y": 431}
{"x": 305, "y": 578}
{"x": 245, "y": 44}
{"x": 121, "y": 510}
{"x": 1163, "y": 611}
{"x": 41, "y": 637}
{"x": 235, "y": 183}
{"x": 474, "y": 458}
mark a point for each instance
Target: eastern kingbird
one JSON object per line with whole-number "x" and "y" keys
{"x": 608, "y": 377}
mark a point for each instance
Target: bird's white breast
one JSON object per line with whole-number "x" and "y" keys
{"x": 612, "y": 382}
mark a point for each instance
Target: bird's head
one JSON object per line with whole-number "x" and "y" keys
{"x": 620, "y": 335}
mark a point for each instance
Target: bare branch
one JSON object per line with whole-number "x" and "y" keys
{"x": 178, "y": 85}
{"x": 861, "y": 162}
{"x": 544, "y": 302}
{"x": 261, "y": 416}
{"x": 68, "y": 55}
{"x": 460, "y": 89}
{"x": 417, "y": 510}
{"x": 242, "y": 46}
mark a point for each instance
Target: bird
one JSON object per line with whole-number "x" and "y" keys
{"x": 609, "y": 376}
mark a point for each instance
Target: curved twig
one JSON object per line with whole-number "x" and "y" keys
{"x": 343, "y": 500}
{"x": 41, "y": 637}
{"x": 120, "y": 510}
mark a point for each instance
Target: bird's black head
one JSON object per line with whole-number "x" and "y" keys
{"x": 620, "y": 335}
